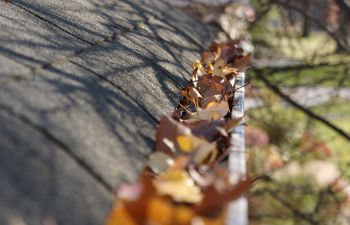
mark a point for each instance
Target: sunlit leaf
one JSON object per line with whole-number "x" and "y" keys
{"x": 185, "y": 142}
{"x": 188, "y": 143}
{"x": 213, "y": 111}
{"x": 178, "y": 185}
{"x": 167, "y": 132}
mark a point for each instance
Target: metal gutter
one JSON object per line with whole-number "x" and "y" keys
{"x": 238, "y": 209}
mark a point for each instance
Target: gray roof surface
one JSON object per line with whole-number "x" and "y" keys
{"x": 82, "y": 86}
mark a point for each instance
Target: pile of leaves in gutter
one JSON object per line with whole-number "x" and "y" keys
{"x": 186, "y": 179}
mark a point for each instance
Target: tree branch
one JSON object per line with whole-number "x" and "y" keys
{"x": 319, "y": 23}
{"x": 294, "y": 210}
{"x": 274, "y": 69}
{"x": 308, "y": 112}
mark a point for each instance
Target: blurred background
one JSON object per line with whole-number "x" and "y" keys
{"x": 297, "y": 104}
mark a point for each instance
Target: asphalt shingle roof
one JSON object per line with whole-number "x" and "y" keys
{"x": 82, "y": 86}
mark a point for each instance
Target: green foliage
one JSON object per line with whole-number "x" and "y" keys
{"x": 294, "y": 196}
{"x": 283, "y": 124}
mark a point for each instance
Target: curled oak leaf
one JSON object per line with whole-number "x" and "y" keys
{"x": 201, "y": 150}
{"x": 217, "y": 87}
{"x": 241, "y": 62}
{"x": 179, "y": 186}
{"x": 227, "y": 59}
{"x": 204, "y": 90}
{"x": 218, "y": 51}
{"x": 223, "y": 70}
{"x": 214, "y": 98}
{"x": 189, "y": 143}
{"x": 213, "y": 111}
{"x": 213, "y": 130}
{"x": 192, "y": 94}
{"x": 167, "y": 132}
{"x": 228, "y": 70}
{"x": 230, "y": 51}
{"x": 210, "y": 130}
{"x": 218, "y": 66}
{"x": 213, "y": 85}
{"x": 177, "y": 137}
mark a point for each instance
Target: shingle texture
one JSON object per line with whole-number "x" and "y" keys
{"x": 82, "y": 86}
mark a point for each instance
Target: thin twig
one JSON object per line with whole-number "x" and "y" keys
{"x": 308, "y": 112}
{"x": 319, "y": 23}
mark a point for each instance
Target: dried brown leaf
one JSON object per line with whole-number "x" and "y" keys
{"x": 213, "y": 111}
{"x": 167, "y": 132}
{"x": 178, "y": 185}
{"x": 214, "y": 200}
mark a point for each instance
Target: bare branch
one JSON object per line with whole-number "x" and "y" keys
{"x": 316, "y": 21}
{"x": 274, "y": 69}
{"x": 308, "y": 112}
